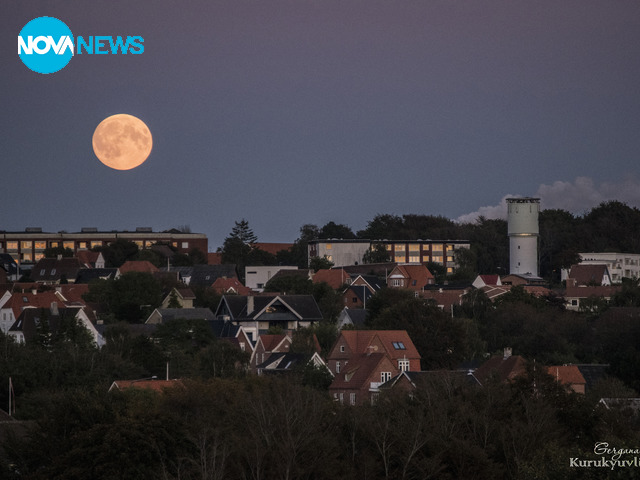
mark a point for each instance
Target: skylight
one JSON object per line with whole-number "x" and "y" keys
{"x": 399, "y": 345}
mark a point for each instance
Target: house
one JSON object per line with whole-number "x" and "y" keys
{"x": 268, "y": 345}
{"x": 504, "y": 368}
{"x": 487, "y": 280}
{"x": 256, "y": 277}
{"x": 235, "y": 334}
{"x": 287, "y": 362}
{"x": 9, "y": 265}
{"x": 142, "y": 266}
{"x": 145, "y": 384}
{"x": 19, "y": 301}
{"x": 58, "y": 270}
{"x": 360, "y": 379}
{"x": 396, "y": 345}
{"x": 569, "y": 376}
{"x": 589, "y": 275}
{"x": 409, "y": 382}
{"x": 362, "y": 288}
{"x": 445, "y": 298}
{"x": 257, "y": 314}
{"x": 163, "y": 315}
{"x": 411, "y": 277}
{"x": 232, "y": 286}
{"x": 25, "y": 328}
{"x": 205, "y": 275}
{"x": 87, "y": 275}
{"x": 353, "y": 317}
{"x": 334, "y": 277}
{"x": 575, "y": 297}
{"x": 183, "y": 296}
{"x": 90, "y": 259}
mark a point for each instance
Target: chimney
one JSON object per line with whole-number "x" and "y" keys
{"x": 507, "y": 353}
{"x": 250, "y": 304}
{"x": 54, "y": 308}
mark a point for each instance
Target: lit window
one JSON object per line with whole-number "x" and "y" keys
{"x": 96, "y": 244}
{"x": 40, "y": 245}
{"x": 82, "y": 245}
{"x": 437, "y": 247}
{"x": 68, "y": 245}
{"x": 329, "y": 246}
{"x": 399, "y": 247}
{"x": 26, "y": 244}
{"x": 12, "y": 245}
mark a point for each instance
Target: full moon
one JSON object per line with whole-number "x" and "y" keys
{"x": 122, "y": 141}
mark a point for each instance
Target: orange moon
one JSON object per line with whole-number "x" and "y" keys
{"x": 122, "y": 141}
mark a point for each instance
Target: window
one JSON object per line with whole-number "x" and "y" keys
{"x": 96, "y": 244}
{"x": 26, "y": 244}
{"x": 42, "y": 272}
{"x": 53, "y": 271}
{"x": 82, "y": 245}
{"x": 337, "y": 367}
{"x": 341, "y": 348}
{"x": 437, "y": 258}
{"x": 329, "y": 246}
{"x": 185, "y": 244}
{"x": 437, "y": 247}
{"x": 399, "y": 247}
{"x": 27, "y": 257}
{"x": 40, "y": 245}
{"x": 12, "y": 245}
{"x": 341, "y": 398}
{"x": 396, "y": 282}
{"x": 242, "y": 347}
{"x": 398, "y": 345}
{"x": 68, "y": 245}
{"x": 385, "y": 376}
{"x": 403, "y": 365}
{"x": 352, "y": 398}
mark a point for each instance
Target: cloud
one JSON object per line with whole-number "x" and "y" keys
{"x": 577, "y": 197}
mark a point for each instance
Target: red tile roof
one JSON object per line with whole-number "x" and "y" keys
{"x": 358, "y": 371}
{"x": 225, "y": 285}
{"x": 567, "y": 374}
{"x": 156, "y": 385}
{"x": 273, "y": 341}
{"x": 506, "y": 369}
{"x": 365, "y": 341}
{"x": 138, "y": 266}
{"x": 418, "y": 273}
{"x": 334, "y": 277}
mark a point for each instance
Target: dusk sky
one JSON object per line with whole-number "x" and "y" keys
{"x": 310, "y": 111}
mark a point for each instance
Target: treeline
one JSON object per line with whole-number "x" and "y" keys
{"x": 612, "y": 226}
{"x": 274, "y": 428}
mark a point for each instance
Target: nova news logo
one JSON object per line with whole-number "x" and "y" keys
{"x": 46, "y": 45}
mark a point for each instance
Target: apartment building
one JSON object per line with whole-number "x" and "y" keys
{"x": 28, "y": 247}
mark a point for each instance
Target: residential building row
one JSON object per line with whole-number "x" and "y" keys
{"x": 27, "y": 247}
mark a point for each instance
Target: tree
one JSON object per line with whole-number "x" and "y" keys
{"x": 376, "y": 254}
{"x": 53, "y": 252}
{"x": 333, "y": 230}
{"x": 243, "y": 232}
{"x": 318, "y": 263}
{"x": 118, "y": 252}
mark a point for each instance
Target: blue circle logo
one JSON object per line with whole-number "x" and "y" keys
{"x": 45, "y": 45}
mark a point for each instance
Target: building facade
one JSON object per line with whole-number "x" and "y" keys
{"x": 27, "y": 247}
{"x": 351, "y": 252}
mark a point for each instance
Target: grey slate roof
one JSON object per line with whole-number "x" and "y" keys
{"x": 169, "y": 314}
{"x": 85, "y": 275}
{"x": 284, "y": 307}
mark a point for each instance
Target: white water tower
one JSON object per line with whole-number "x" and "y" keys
{"x": 523, "y": 235}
